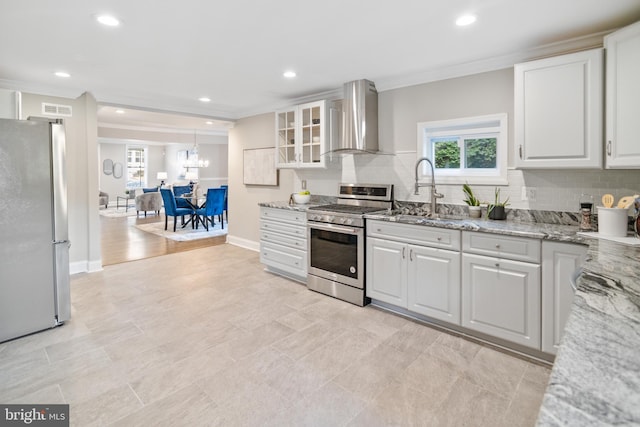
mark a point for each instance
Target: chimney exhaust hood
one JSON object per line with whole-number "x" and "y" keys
{"x": 359, "y": 133}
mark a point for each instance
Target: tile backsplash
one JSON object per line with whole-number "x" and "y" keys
{"x": 555, "y": 190}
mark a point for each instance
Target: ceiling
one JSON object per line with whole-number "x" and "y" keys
{"x": 167, "y": 54}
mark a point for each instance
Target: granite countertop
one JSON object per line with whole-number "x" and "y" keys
{"x": 595, "y": 380}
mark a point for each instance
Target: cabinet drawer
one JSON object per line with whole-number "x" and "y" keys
{"x": 417, "y": 234}
{"x": 284, "y": 228}
{"x": 283, "y": 239}
{"x": 497, "y": 245}
{"x": 294, "y": 217}
{"x": 287, "y": 259}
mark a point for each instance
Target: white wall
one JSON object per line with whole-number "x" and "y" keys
{"x": 82, "y": 176}
{"x": 399, "y": 112}
{"x": 244, "y": 212}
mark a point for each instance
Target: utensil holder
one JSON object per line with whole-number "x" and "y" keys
{"x": 612, "y": 222}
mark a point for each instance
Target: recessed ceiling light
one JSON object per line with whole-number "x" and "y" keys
{"x": 62, "y": 74}
{"x": 204, "y": 99}
{"x": 119, "y": 111}
{"x": 108, "y": 20}
{"x": 289, "y": 74}
{"x": 209, "y": 122}
{"x": 465, "y": 20}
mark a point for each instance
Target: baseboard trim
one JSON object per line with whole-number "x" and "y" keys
{"x": 85, "y": 266}
{"x": 243, "y": 243}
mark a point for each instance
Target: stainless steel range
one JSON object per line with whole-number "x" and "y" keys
{"x": 336, "y": 241}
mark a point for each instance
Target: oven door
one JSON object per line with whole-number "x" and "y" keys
{"x": 336, "y": 253}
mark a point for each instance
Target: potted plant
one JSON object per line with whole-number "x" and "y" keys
{"x": 496, "y": 210}
{"x": 472, "y": 201}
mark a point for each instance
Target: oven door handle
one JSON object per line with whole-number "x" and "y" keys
{"x": 333, "y": 227}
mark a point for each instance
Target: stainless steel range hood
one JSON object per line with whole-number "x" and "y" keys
{"x": 359, "y": 133}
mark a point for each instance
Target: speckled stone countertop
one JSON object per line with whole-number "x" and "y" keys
{"x": 595, "y": 379}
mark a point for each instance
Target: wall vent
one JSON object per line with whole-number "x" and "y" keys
{"x": 56, "y": 110}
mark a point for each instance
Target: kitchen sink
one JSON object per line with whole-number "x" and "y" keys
{"x": 424, "y": 219}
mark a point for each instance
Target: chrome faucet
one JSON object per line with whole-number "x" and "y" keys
{"x": 434, "y": 194}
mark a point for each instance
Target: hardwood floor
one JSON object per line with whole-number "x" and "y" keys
{"x": 122, "y": 242}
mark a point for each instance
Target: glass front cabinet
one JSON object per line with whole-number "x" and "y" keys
{"x": 301, "y": 132}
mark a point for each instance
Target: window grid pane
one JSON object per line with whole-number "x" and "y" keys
{"x": 446, "y": 152}
{"x": 480, "y": 153}
{"x": 135, "y": 168}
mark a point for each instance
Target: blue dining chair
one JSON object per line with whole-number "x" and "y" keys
{"x": 226, "y": 195}
{"x": 179, "y": 190}
{"x": 213, "y": 206}
{"x": 170, "y": 208}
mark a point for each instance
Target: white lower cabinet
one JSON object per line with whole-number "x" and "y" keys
{"x": 559, "y": 263}
{"x": 422, "y": 279}
{"x": 387, "y": 271}
{"x": 501, "y": 298}
{"x": 283, "y": 242}
{"x": 434, "y": 283}
{"x": 513, "y": 288}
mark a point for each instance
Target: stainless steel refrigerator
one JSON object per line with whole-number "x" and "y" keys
{"x": 34, "y": 245}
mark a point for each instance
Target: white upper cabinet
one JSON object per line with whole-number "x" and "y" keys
{"x": 301, "y": 134}
{"x": 623, "y": 98}
{"x": 559, "y": 111}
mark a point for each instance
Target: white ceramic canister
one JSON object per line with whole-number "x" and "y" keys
{"x": 612, "y": 222}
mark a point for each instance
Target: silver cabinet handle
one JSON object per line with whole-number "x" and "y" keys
{"x": 410, "y": 254}
{"x": 497, "y": 265}
{"x": 520, "y": 151}
{"x": 403, "y": 251}
{"x": 497, "y": 246}
{"x": 609, "y": 148}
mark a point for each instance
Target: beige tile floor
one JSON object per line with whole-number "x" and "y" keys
{"x": 207, "y": 338}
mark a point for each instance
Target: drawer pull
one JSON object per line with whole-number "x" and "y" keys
{"x": 410, "y": 254}
{"x": 497, "y": 265}
{"x": 439, "y": 239}
{"x": 379, "y": 230}
{"x": 403, "y": 252}
{"x": 497, "y": 246}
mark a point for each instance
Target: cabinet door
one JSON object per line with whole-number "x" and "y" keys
{"x": 558, "y": 111}
{"x": 286, "y": 153}
{"x": 623, "y": 98}
{"x": 387, "y": 271}
{"x": 312, "y": 134}
{"x": 502, "y": 298}
{"x": 433, "y": 283}
{"x": 559, "y": 262}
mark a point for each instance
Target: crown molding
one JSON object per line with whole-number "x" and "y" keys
{"x": 590, "y": 41}
{"x": 330, "y": 95}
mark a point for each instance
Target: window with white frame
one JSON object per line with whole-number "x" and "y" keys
{"x": 136, "y": 167}
{"x": 466, "y": 149}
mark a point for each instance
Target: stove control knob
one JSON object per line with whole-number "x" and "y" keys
{"x": 341, "y": 220}
{"x": 349, "y": 221}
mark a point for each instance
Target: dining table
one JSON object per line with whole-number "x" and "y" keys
{"x": 194, "y": 202}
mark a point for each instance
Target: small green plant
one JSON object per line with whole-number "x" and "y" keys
{"x": 471, "y": 199}
{"x": 496, "y": 202}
